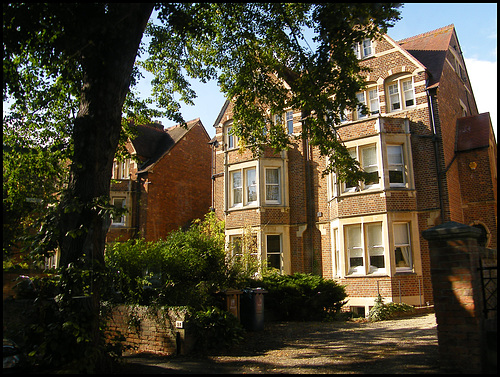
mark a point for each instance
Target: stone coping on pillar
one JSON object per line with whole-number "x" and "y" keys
{"x": 451, "y": 229}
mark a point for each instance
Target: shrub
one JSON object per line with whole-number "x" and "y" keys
{"x": 186, "y": 268}
{"x": 216, "y": 329}
{"x": 381, "y": 311}
{"x": 301, "y": 296}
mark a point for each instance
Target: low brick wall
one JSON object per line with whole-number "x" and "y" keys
{"x": 152, "y": 330}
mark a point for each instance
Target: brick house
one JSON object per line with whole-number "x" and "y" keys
{"x": 431, "y": 156}
{"x": 168, "y": 187}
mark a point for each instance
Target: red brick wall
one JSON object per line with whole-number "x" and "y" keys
{"x": 180, "y": 186}
{"x": 151, "y": 331}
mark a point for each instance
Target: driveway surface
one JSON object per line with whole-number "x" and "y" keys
{"x": 405, "y": 345}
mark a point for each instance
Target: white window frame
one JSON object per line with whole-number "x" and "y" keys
{"x": 364, "y": 49}
{"x": 370, "y": 99}
{"x": 397, "y": 166}
{"x": 364, "y": 248}
{"x": 272, "y": 184}
{"x": 357, "y": 248}
{"x": 235, "y": 187}
{"x": 405, "y": 254}
{"x": 345, "y": 188}
{"x": 369, "y": 168}
{"x": 373, "y": 248}
{"x": 357, "y": 153}
{"x": 243, "y": 187}
{"x": 397, "y": 93}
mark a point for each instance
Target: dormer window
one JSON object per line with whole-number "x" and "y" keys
{"x": 363, "y": 49}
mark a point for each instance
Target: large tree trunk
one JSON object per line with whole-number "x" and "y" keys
{"x": 107, "y": 63}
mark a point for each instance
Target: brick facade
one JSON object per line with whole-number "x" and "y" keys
{"x": 170, "y": 186}
{"x": 319, "y": 220}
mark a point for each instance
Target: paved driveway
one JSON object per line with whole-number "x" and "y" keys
{"x": 406, "y": 345}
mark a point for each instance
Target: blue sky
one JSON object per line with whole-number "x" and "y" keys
{"x": 476, "y": 27}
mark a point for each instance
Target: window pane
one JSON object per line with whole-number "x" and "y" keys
{"x": 401, "y": 234}
{"x": 408, "y": 93}
{"x": 236, "y": 245}
{"x": 273, "y": 184}
{"x": 396, "y": 166}
{"x": 352, "y": 184}
{"x": 394, "y": 154}
{"x": 273, "y": 243}
{"x": 394, "y": 96}
{"x": 251, "y": 185}
{"x": 119, "y": 203}
{"x": 272, "y": 176}
{"x": 273, "y": 251}
{"x": 272, "y": 193}
{"x": 369, "y": 158}
{"x": 289, "y": 121}
{"x": 373, "y": 96}
{"x": 367, "y": 47}
{"x": 375, "y": 245}
{"x": 274, "y": 261}
{"x": 230, "y": 138}
{"x": 396, "y": 175}
{"x": 237, "y": 188}
{"x": 361, "y": 98}
{"x": 354, "y": 247}
{"x": 402, "y": 249}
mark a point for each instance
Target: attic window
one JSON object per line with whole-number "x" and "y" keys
{"x": 363, "y": 49}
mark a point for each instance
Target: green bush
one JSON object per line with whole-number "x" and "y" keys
{"x": 187, "y": 268}
{"x": 302, "y": 297}
{"x": 381, "y": 311}
{"x": 216, "y": 329}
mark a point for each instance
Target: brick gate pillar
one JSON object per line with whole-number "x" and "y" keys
{"x": 454, "y": 260}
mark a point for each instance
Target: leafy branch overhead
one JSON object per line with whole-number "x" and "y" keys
{"x": 265, "y": 64}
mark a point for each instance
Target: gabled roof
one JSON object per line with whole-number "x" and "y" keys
{"x": 152, "y": 142}
{"x": 430, "y": 49}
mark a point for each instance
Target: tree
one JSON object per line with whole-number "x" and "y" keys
{"x": 84, "y": 54}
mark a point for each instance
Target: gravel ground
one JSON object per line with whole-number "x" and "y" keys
{"x": 405, "y": 345}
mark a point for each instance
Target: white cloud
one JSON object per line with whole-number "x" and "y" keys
{"x": 483, "y": 78}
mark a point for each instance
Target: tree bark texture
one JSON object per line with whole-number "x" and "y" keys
{"x": 107, "y": 61}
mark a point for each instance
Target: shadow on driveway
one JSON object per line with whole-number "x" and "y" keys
{"x": 406, "y": 345}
